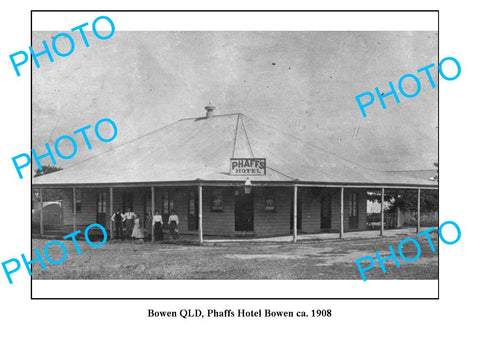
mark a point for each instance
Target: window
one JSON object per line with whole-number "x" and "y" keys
{"x": 167, "y": 202}
{"x": 102, "y": 202}
{"x": 191, "y": 203}
{"x": 78, "y": 200}
{"x": 192, "y": 211}
{"x": 353, "y": 204}
{"x": 102, "y": 208}
{"x": 217, "y": 200}
{"x": 269, "y": 200}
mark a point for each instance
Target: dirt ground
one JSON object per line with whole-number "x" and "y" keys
{"x": 330, "y": 259}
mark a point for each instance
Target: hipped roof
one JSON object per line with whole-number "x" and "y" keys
{"x": 199, "y": 150}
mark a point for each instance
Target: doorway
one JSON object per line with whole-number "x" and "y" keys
{"x": 243, "y": 211}
{"x": 192, "y": 210}
{"x": 147, "y": 207}
{"x": 102, "y": 208}
{"x": 353, "y": 210}
{"x": 127, "y": 201}
{"x": 326, "y": 213}
{"x": 167, "y": 204}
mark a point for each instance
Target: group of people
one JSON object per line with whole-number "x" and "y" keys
{"x": 129, "y": 225}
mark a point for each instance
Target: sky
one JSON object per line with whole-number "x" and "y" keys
{"x": 303, "y": 83}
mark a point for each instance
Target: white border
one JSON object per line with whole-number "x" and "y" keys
{"x": 242, "y": 21}
{"x": 243, "y": 289}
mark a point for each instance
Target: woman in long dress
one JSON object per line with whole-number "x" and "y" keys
{"x": 157, "y": 222}
{"x": 137, "y": 233}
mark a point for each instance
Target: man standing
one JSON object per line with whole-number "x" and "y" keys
{"x": 118, "y": 218}
{"x": 129, "y": 219}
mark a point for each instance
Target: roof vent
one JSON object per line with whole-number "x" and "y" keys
{"x": 209, "y": 109}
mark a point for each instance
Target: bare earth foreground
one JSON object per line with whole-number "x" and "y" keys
{"x": 325, "y": 259}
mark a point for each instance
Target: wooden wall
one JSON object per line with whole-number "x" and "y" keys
{"x": 180, "y": 198}
{"x": 362, "y": 209}
{"x": 266, "y": 223}
{"x": 219, "y": 223}
{"x": 142, "y": 202}
{"x": 270, "y": 223}
{"x": 88, "y": 213}
{"x": 310, "y": 210}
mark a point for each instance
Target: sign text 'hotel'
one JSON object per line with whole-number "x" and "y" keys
{"x": 248, "y": 166}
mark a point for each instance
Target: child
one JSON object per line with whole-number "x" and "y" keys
{"x": 137, "y": 233}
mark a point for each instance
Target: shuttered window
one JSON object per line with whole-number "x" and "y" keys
{"x": 353, "y": 204}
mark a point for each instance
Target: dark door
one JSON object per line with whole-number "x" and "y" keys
{"x": 102, "y": 208}
{"x": 147, "y": 207}
{"x": 353, "y": 210}
{"x": 193, "y": 210}
{"x": 243, "y": 211}
{"x": 326, "y": 212}
{"x": 127, "y": 201}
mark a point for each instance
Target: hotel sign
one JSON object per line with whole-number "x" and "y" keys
{"x": 248, "y": 166}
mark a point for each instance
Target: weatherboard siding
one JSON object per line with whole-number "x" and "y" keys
{"x": 180, "y": 205}
{"x": 271, "y": 223}
{"x": 266, "y": 223}
{"x": 141, "y": 204}
{"x": 310, "y": 210}
{"x": 219, "y": 222}
{"x": 88, "y": 213}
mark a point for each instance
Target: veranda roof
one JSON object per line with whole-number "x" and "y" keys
{"x": 199, "y": 150}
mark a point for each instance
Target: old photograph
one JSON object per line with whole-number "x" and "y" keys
{"x": 236, "y": 155}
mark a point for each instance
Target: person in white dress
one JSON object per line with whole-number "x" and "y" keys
{"x": 137, "y": 233}
{"x": 173, "y": 225}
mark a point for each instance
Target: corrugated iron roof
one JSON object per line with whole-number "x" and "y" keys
{"x": 199, "y": 149}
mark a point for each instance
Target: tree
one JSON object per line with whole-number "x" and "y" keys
{"x": 48, "y": 194}
{"x": 46, "y": 169}
{"x": 408, "y": 199}
{"x": 435, "y": 178}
